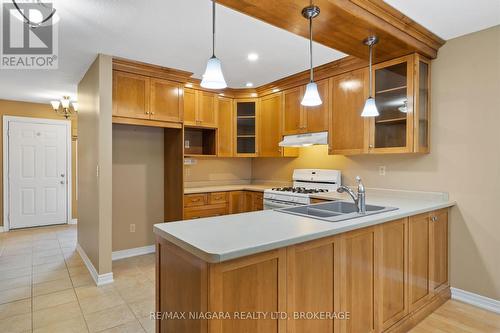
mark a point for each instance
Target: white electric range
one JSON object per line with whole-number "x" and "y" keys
{"x": 305, "y": 183}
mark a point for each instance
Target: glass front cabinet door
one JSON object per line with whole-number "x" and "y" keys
{"x": 401, "y": 91}
{"x": 246, "y": 127}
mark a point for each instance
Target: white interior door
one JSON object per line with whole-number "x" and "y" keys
{"x": 38, "y": 174}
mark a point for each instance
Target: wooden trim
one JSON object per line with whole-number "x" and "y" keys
{"x": 145, "y": 122}
{"x": 343, "y": 22}
{"x": 154, "y": 71}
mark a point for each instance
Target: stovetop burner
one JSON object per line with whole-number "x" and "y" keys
{"x": 301, "y": 190}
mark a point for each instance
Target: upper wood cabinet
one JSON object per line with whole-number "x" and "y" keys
{"x": 245, "y": 122}
{"x": 401, "y": 91}
{"x": 166, "y": 100}
{"x": 141, "y": 97}
{"x": 199, "y": 108}
{"x": 130, "y": 95}
{"x": 225, "y": 131}
{"x": 347, "y": 128}
{"x": 299, "y": 119}
{"x": 270, "y": 125}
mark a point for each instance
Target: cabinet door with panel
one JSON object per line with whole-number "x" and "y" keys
{"x": 392, "y": 273}
{"x": 190, "y": 107}
{"x": 166, "y": 101}
{"x": 292, "y": 111}
{"x": 358, "y": 280}
{"x": 207, "y": 115}
{"x": 313, "y": 284}
{"x": 438, "y": 262}
{"x": 348, "y": 130}
{"x": 270, "y": 125}
{"x": 131, "y": 93}
{"x": 236, "y": 202}
{"x": 315, "y": 118}
{"x": 225, "y": 130}
{"x": 418, "y": 271}
{"x": 246, "y": 127}
{"x": 253, "y": 284}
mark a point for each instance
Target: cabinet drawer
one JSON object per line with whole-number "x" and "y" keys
{"x": 206, "y": 211}
{"x": 193, "y": 200}
{"x": 217, "y": 198}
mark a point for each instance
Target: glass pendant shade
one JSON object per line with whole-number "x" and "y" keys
{"x": 370, "y": 109}
{"x": 213, "y": 77}
{"x": 65, "y": 103}
{"x": 311, "y": 96}
{"x": 75, "y": 106}
{"x": 55, "y": 104}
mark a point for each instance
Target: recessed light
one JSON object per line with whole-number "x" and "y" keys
{"x": 249, "y": 84}
{"x": 253, "y": 56}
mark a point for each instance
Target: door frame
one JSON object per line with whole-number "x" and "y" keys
{"x": 5, "y": 151}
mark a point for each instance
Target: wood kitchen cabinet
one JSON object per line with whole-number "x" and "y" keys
{"x": 141, "y": 97}
{"x": 347, "y": 128}
{"x": 199, "y": 108}
{"x": 246, "y": 128}
{"x": 401, "y": 91}
{"x": 438, "y": 252}
{"x": 131, "y": 94}
{"x": 225, "y": 130}
{"x": 300, "y": 119}
{"x": 270, "y": 125}
{"x": 221, "y": 203}
{"x": 392, "y": 275}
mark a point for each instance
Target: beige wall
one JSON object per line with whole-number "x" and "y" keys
{"x": 95, "y": 163}
{"x": 138, "y": 196}
{"x": 35, "y": 110}
{"x": 218, "y": 171}
{"x": 465, "y": 158}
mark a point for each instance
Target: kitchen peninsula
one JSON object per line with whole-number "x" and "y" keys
{"x": 388, "y": 270}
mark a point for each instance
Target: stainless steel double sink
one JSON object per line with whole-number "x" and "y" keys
{"x": 335, "y": 211}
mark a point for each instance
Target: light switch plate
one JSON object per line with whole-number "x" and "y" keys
{"x": 381, "y": 170}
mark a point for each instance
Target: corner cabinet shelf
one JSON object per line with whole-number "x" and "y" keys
{"x": 246, "y": 127}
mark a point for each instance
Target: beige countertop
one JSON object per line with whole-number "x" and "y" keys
{"x": 217, "y": 239}
{"x": 225, "y": 188}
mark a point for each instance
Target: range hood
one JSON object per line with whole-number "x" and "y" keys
{"x": 305, "y": 140}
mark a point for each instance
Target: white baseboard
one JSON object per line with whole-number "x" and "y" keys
{"x": 2, "y": 229}
{"x": 476, "y": 300}
{"x": 137, "y": 251}
{"x": 73, "y": 221}
{"x": 98, "y": 279}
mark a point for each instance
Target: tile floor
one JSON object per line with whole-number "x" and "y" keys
{"x": 45, "y": 287}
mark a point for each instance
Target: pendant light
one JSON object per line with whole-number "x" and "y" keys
{"x": 213, "y": 77}
{"x": 311, "y": 96}
{"x": 370, "y": 109}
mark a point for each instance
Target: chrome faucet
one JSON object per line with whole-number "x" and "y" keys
{"x": 360, "y": 198}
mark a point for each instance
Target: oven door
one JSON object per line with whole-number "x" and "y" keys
{"x": 277, "y": 204}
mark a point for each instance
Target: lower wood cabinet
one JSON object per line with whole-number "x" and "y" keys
{"x": 384, "y": 278}
{"x": 221, "y": 203}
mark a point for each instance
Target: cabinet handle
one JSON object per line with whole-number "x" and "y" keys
{"x": 370, "y": 146}
{"x": 147, "y": 112}
{"x": 152, "y": 113}
{"x": 434, "y": 218}
{"x": 195, "y": 200}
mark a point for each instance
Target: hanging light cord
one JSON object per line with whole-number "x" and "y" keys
{"x": 28, "y": 21}
{"x": 213, "y": 28}
{"x": 370, "y": 69}
{"x": 311, "y": 49}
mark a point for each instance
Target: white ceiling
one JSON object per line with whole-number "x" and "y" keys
{"x": 177, "y": 34}
{"x": 451, "y": 18}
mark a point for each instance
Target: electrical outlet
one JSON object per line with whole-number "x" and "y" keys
{"x": 381, "y": 170}
{"x": 187, "y": 144}
{"x": 132, "y": 228}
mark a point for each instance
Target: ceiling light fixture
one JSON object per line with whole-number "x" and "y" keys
{"x": 311, "y": 96}
{"x": 64, "y": 107}
{"x": 249, "y": 84}
{"x": 253, "y": 57}
{"x": 213, "y": 77}
{"x": 35, "y": 17}
{"x": 370, "y": 109}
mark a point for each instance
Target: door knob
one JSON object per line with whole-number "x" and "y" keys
{"x": 62, "y": 182}
{"x": 62, "y": 175}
